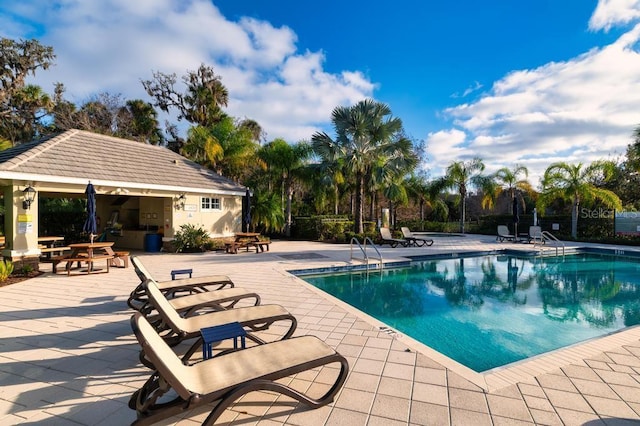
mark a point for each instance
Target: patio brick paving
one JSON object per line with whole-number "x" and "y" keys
{"x": 67, "y": 355}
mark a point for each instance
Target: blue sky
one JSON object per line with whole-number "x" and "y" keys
{"x": 528, "y": 82}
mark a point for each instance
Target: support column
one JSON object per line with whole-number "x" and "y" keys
{"x": 21, "y": 229}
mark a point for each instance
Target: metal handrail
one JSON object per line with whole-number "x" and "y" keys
{"x": 364, "y": 253}
{"x": 365, "y": 257}
{"x": 379, "y": 258}
{"x": 548, "y": 235}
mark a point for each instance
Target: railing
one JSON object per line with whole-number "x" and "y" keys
{"x": 546, "y": 235}
{"x": 379, "y": 258}
{"x": 363, "y": 250}
{"x": 364, "y": 253}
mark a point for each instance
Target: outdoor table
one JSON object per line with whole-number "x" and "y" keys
{"x": 242, "y": 239}
{"x": 49, "y": 241}
{"x": 217, "y": 333}
{"x": 89, "y": 253}
{"x": 49, "y": 247}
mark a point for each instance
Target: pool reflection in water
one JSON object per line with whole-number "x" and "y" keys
{"x": 489, "y": 311}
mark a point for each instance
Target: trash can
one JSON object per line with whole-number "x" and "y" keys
{"x": 152, "y": 242}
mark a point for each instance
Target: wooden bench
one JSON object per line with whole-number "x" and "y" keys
{"x": 48, "y": 252}
{"x": 89, "y": 261}
{"x": 261, "y": 246}
{"x": 120, "y": 259}
{"x": 235, "y": 245}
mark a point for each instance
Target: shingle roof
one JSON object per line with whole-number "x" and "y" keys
{"x": 77, "y": 154}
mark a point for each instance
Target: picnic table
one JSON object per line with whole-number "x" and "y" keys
{"x": 86, "y": 253}
{"x": 248, "y": 240}
{"x": 51, "y": 246}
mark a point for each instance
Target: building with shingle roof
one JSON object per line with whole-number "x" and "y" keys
{"x": 140, "y": 187}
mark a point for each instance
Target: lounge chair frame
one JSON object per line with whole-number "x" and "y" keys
{"x": 413, "y": 240}
{"x": 504, "y": 235}
{"x": 179, "y": 329}
{"x": 387, "y": 238}
{"x": 139, "y": 300}
{"x": 170, "y": 375}
{"x": 535, "y": 235}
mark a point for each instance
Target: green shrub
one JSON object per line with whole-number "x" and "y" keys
{"x": 192, "y": 239}
{"x": 6, "y": 268}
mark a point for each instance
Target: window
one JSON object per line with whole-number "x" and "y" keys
{"x": 209, "y": 203}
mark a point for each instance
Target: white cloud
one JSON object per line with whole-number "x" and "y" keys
{"x": 579, "y": 110}
{"x": 112, "y": 44}
{"x": 610, "y": 13}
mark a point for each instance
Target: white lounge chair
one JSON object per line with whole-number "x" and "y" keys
{"x": 414, "y": 240}
{"x": 503, "y": 234}
{"x": 387, "y": 238}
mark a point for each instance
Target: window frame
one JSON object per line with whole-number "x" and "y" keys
{"x": 210, "y": 202}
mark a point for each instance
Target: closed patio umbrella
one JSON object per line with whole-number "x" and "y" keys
{"x": 90, "y": 226}
{"x": 516, "y": 216}
{"x": 246, "y": 210}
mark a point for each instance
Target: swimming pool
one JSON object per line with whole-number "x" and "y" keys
{"x": 491, "y": 310}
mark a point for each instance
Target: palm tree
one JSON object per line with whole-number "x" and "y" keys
{"x": 365, "y": 134}
{"x": 416, "y": 187}
{"x": 286, "y": 162}
{"x": 577, "y": 184}
{"x": 460, "y": 176}
{"x": 509, "y": 180}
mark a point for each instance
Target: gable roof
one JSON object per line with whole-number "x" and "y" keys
{"x": 77, "y": 156}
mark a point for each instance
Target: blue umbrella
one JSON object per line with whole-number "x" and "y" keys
{"x": 246, "y": 210}
{"x": 90, "y": 226}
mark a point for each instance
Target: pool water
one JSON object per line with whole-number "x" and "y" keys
{"x": 489, "y": 311}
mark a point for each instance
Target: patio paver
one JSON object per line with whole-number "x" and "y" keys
{"x": 67, "y": 355}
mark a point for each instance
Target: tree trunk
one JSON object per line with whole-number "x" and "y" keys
{"x": 336, "y": 201}
{"x": 574, "y": 220}
{"x": 463, "y": 208}
{"x": 287, "y": 226}
{"x": 358, "y": 228}
{"x": 372, "y": 206}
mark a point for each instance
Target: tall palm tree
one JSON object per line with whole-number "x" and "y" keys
{"x": 365, "y": 133}
{"x": 509, "y": 180}
{"x": 287, "y": 163}
{"x": 577, "y": 184}
{"x": 460, "y": 175}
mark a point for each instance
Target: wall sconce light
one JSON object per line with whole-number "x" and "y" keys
{"x": 29, "y": 194}
{"x": 180, "y": 200}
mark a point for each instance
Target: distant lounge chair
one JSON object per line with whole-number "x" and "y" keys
{"x": 386, "y": 238}
{"x": 413, "y": 240}
{"x": 503, "y": 234}
{"x": 535, "y": 235}
{"x": 253, "y": 318}
{"x": 217, "y": 382}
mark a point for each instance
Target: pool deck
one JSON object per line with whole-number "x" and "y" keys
{"x": 68, "y": 356}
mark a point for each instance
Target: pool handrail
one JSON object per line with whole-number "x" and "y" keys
{"x": 364, "y": 253}
{"x": 548, "y": 235}
{"x": 363, "y": 249}
{"x": 379, "y": 258}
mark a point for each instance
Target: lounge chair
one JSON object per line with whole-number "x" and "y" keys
{"x": 252, "y": 318}
{"x": 138, "y": 299}
{"x": 535, "y": 235}
{"x": 386, "y": 238}
{"x": 222, "y": 380}
{"x": 413, "y": 240}
{"x": 503, "y": 234}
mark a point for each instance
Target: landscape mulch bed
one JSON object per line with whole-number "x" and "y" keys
{"x": 16, "y": 278}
